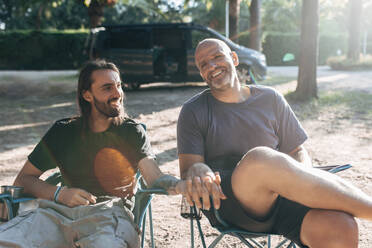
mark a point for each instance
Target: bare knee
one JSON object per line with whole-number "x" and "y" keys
{"x": 326, "y": 228}
{"x": 251, "y": 178}
{"x": 253, "y": 172}
{"x": 260, "y": 154}
{"x": 256, "y": 160}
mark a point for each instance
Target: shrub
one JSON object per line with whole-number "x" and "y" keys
{"x": 42, "y": 50}
{"x": 342, "y": 63}
{"x": 276, "y": 45}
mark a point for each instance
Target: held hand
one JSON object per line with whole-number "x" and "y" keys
{"x": 73, "y": 197}
{"x": 213, "y": 185}
{"x": 203, "y": 183}
{"x": 181, "y": 188}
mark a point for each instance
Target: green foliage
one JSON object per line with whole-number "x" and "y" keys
{"x": 281, "y": 15}
{"x": 342, "y": 63}
{"x": 143, "y": 12}
{"x": 56, "y": 14}
{"x": 65, "y": 49}
{"x": 276, "y": 45}
{"x": 208, "y": 13}
{"x": 42, "y": 50}
{"x": 331, "y": 44}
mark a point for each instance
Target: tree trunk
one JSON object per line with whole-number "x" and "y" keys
{"x": 255, "y": 25}
{"x": 234, "y": 9}
{"x": 306, "y": 83}
{"x": 355, "y": 19}
{"x": 39, "y": 16}
{"x": 95, "y": 12}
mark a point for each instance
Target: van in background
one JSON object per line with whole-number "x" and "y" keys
{"x": 147, "y": 53}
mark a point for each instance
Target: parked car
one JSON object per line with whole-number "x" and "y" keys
{"x": 147, "y": 53}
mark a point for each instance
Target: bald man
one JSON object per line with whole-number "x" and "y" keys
{"x": 243, "y": 146}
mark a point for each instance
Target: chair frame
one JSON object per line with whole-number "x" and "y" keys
{"x": 246, "y": 237}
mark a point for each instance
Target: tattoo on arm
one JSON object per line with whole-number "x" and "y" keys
{"x": 166, "y": 182}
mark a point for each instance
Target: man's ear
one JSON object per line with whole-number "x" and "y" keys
{"x": 87, "y": 95}
{"x": 235, "y": 58}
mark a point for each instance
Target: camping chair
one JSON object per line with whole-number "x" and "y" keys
{"x": 142, "y": 203}
{"x": 247, "y": 238}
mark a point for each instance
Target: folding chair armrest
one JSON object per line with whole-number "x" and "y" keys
{"x": 156, "y": 191}
{"x": 143, "y": 199}
{"x": 23, "y": 199}
{"x": 218, "y": 217}
{"x": 334, "y": 168}
{"x": 3, "y": 196}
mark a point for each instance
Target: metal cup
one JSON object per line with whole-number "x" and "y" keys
{"x": 13, "y": 191}
{"x": 189, "y": 212}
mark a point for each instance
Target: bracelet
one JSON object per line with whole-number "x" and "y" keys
{"x": 57, "y": 193}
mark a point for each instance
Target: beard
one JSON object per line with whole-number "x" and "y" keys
{"x": 116, "y": 113}
{"x": 222, "y": 81}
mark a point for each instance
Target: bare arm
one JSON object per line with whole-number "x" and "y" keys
{"x": 201, "y": 181}
{"x": 186, "y": 165}
{"x": 156, "y": 179}
{"x": 301, "y": 155}
{"x": 29, "y": 179}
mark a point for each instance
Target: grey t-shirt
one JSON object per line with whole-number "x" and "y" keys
{"x": 213, "y": 129}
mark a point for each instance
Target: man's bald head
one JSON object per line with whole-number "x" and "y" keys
{"x": 212, "y": 42}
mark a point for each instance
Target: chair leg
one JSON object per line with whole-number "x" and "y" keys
{"x": 194, "y": 213}
{"x": 151, "y": 227}
{"x": 143, "y": 230}
{"x": 291, "y": 245}
{"x": 269, "y": 241}
{"x": 201, "y": 234}
{"x": 283, "y": 242}
{"x": 247, "y": 243}
{"x": 192, "y": 231}
{"x": 216, "y": 240}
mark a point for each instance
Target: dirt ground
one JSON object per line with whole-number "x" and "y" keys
{"x": 338, "y": 133}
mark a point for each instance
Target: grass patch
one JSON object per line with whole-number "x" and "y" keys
{"x": 342, "y": 63}
{"x": 344, "y": 105}
{"x": 277, "y": 80}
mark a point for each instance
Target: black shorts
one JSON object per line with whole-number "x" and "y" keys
{"x": 285, "y": 218}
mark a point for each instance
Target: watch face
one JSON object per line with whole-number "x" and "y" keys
{"x": 115, "y": 173}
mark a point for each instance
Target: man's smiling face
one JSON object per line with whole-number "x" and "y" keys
{"x": 216, "y": 63}
{"x": 106, "y": 94}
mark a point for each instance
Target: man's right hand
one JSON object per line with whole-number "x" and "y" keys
{"x": 203, "y": 183}
{"x": 73, "y": 197}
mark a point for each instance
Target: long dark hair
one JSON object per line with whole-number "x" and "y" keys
{"x": 85, "y": 82}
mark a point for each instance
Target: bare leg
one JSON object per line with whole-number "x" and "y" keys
{"x": 267, "y": 173}
{"x": 329, "y": 229}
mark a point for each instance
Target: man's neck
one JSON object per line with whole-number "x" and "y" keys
{"x": 98, "y": 124}
{"x": 235, "y": 94}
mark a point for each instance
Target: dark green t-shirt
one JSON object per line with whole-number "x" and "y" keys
{"x": 96, "y": 162}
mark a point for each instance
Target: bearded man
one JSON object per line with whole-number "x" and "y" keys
{"x": 98, "y": 154}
